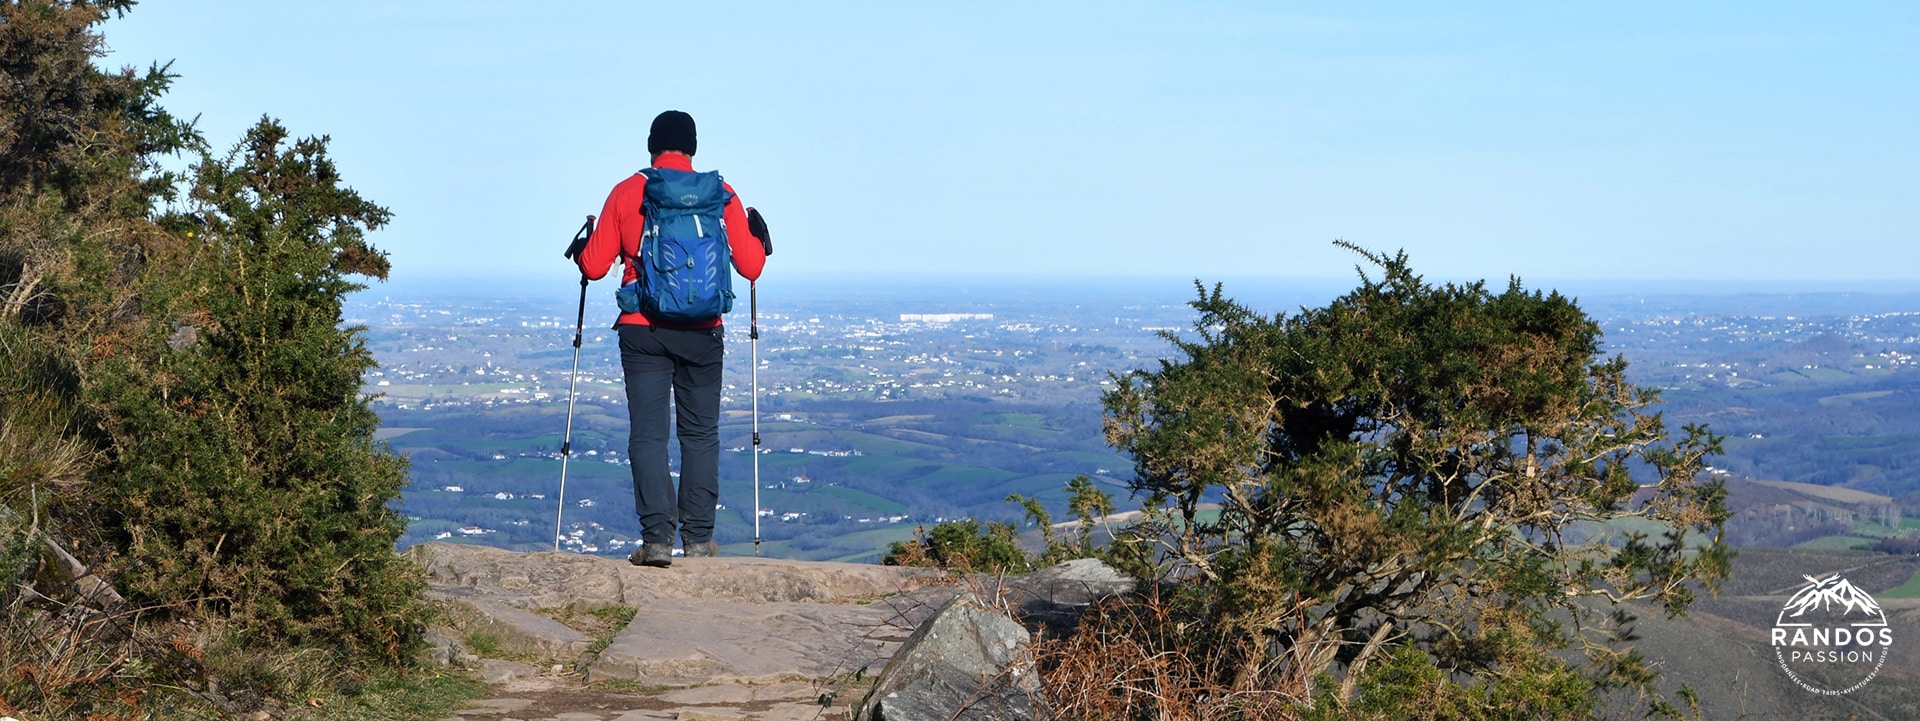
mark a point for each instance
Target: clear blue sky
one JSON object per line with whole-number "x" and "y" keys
{"x": 1749, "y": 141}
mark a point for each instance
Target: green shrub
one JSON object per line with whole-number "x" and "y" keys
{"x": 1401, "y": 474}
{"x": 243, "y": 473}
{"x": 962, "y": 545}
{"x": 181, "y": 408}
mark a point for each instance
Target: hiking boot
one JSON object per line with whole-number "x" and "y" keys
{"x": 657, "y": 555}
{"x": 702, "y": 549}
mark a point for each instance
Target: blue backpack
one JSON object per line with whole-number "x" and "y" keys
{"x": 685, "y": 267}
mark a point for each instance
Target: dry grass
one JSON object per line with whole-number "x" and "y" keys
{"x": 1129, "y": 659}
{"x": 67, "y": 659}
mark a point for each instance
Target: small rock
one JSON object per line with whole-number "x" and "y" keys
{"x": 184, "y": 336}
{"x": 444, "y": 647}
{"x": 726, "y": 694}
{"x": 497, "y": 706}
{"x": 698, "y": 715}
{"x": 644, "y": 715}
{"x": 495, "y": 671}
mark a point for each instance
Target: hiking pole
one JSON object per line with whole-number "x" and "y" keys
{"x": 579, "y": 324}
{"x": 753, "y": 337}
{"x": 757, "y": 226}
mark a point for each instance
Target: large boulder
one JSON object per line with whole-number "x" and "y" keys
{"x": 967, "y": 663}
{"x": 1052, "y": 599}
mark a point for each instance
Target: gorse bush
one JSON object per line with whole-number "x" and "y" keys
{"x": 181, "y": 406}
{"x": 1414, "y": 483}
{"x": 243, "y": 469}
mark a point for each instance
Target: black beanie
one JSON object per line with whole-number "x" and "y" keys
{"x": 672, "y": 130}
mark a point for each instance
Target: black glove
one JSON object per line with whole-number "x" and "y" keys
{"x": 758, "y": 227}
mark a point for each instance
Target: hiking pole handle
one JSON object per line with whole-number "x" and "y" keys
{"x": 753, "y": 310}
{"x": 579, "y": 240}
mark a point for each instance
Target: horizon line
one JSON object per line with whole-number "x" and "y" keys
{"x": 1184, "y": 282}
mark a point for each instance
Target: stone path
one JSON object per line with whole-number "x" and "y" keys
{"x": 711, "y": 639}
{"x": 562, "y": 699}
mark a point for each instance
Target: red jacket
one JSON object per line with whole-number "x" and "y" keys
{"x": 616, "y": 235}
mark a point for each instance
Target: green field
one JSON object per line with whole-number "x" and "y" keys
{"x": 1910, "y": 589}
{"x": 1033, "y": 421}
{"x": 1836, "y": 543}
{"x": 968, "y": 475}
{"x": 882, "y": 466}
{"x": 877, "y": 540}
{"x": 861, "y": 498}
{"x": 1875, "y": 530}
{"x": 1654, "y": 531}
{"x": 1825, "y": 374}
{"x": 873, "y": 444}
{"x": 1851, "y": 398}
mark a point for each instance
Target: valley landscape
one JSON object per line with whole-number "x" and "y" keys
{"x": 888, "y": 410}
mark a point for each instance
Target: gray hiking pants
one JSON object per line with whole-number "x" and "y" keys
{"x": 686, "y": 363}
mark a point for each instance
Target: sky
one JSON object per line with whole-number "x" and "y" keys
{"x": 1719, "y": 144}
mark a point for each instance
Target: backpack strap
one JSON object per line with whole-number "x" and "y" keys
{"x": 651, "y": 176}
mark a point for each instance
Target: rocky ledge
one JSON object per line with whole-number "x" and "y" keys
{"x": 739, "y": 638}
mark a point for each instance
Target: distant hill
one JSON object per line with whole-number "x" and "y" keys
{"x": 1783, "y": 514}
{"x": 1836, "y": 494}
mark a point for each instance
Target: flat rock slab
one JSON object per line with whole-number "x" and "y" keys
{"x": 519, "y": 632}
{"x": 679, "y": 644}
{"x": 563, "y": 701}
{"x": 495, "y": 671}
{"x": 699, "y": 622}
{"x": 522, "y": 580}
{"x": 489, "y": 706}
{"x": 736, "y": 694}
{"x": 570, "y": 580}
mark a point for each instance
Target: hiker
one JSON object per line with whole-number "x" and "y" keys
{"x": 664, "y": 346}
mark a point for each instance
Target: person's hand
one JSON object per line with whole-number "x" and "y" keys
{"x": 757, "y": 225}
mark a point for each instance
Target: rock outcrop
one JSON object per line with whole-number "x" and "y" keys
{"x": 700, "y": 621}
{"x": 1054, "y": 597}
{"x": 946, "y": 647}
{"x": 966, "y": 663}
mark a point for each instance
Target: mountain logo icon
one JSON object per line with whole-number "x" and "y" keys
{"x": 1825, "y": 595}
{"x": 1831, "y": 637}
